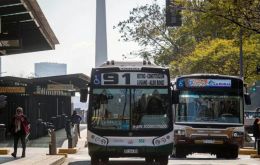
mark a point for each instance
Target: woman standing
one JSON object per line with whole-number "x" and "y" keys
{"x": 20, "y": 128}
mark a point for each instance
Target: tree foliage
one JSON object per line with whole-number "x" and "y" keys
{"x": 220, "y": 56}
{"x": 146, "y": 26}
{"x": 207, "y": 41}
{"x": 244, "y": 13}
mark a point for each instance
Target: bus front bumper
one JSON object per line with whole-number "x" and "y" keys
{"x": 129, "y": 151}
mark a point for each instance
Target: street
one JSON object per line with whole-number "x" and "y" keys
{"x": 82, "y": 157}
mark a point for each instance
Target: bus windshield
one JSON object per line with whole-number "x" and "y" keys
{"x": 210, "y": 107}
{"x": 130, "y": 109}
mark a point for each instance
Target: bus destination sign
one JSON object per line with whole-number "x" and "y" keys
{"x": 211, "y": 83}
{"x": 131, "y": 78}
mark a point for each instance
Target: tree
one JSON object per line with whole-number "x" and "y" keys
{"x": 243, "y": 13}
{"x": 220, "y": 56}
{"x": 207, "y": 41}
{"x": 146, "y": 26}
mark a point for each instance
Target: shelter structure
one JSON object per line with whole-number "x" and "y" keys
{"x": 24, "y": 28}
{"x": 45, "y": 99}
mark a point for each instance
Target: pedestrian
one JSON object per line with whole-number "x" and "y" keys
{"x": 256, "y": 130}
{"x": 20, "y": 129}
{"x": 75, "y": 119}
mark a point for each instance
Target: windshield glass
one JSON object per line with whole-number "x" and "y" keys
{"x": 125, "y": 109}
{"x": 209, "y": 107}
{"x": 150, "y": 109}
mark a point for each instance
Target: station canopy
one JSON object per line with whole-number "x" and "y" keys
{"x": 24, "y": 28}
{"x": 79, "y": 81}
{"x": 69, "y": 83}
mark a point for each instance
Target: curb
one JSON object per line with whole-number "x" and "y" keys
{"x": 61, "y": 154}
{"x": 247, "y": 151}
{"x": 68, "y": 150}
{"x": 4, "y": 151}
{"x": 39, "y": 160}
{"x": 58, "y": 162}
{"x": 255, "y": 156}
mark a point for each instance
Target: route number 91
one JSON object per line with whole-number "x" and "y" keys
{"x": 114, "y": 78}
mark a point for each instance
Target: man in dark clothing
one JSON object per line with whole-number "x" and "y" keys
{"x": 75, "y": 119}
{"x": 20, "y": 128}
{"x": 256, "y": 130}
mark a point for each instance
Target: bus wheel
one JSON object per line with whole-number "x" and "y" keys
{"x": 105, "y": 160}
{"x": 233, "y": 153}
{"x": 180, "y": 153}
{"x": 162, "y": 160}
{"x": 148, "y": 160}
{"x": 94, "y": 160}
{"x": 219, "y": 156}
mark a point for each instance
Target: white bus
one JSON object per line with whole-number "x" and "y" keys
{"x": 209, "y": 115}
{"x": 130, "y": 112}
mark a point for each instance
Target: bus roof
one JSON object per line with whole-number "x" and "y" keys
{"x": 129, "y": 64}
{"x": 208, "y": 75}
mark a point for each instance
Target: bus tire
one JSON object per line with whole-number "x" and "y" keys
{"x": 180, "y": 153}
{"x": 149, "y": 160}
{"x": 105, "y": 160}
{"x": 233, "y": 152}
{"x": 162, "y": 160}
{"x": 220, "y": 156}
{"x": 94, "y": 160}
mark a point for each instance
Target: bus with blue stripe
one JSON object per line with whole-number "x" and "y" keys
{"x": 209, "y": 115}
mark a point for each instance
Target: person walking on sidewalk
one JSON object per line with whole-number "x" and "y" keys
{"x": 20, "y": 127}
{"x": 75, "y": 119}
{"x": 256, "y": 130}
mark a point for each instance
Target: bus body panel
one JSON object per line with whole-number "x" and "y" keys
{"x": 209, "y": 115}
{"x": 120, "y": 151}
{"x": 130, "y": 112}
{"x": 130, "y": 146}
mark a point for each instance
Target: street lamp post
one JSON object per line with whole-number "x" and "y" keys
{"x": 241, "y": 64}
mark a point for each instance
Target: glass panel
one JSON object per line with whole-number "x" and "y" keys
{"x": 110, "y": 109}
{"x": 208, "y": 107}
{"x": 150, "y": 109}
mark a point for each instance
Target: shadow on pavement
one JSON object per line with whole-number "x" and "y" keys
{"x": 7, "y": 158}
{"x": 111, "y": 163}
{"x": 201, "y": 159}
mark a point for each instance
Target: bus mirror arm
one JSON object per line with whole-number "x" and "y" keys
{"x": 247, "y": 99}
{"x": 175, "y": 96}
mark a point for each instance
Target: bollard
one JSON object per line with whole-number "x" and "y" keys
{"x": 52, "y": 144}
{"x": 75, "y": 135}
{"x": 258, "y": 146}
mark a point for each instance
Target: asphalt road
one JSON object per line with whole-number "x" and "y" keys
{"x": 82, "y": 158}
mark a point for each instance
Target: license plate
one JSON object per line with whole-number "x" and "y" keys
{"x": 208, "y": 141}
{"x": 130, "y": 151}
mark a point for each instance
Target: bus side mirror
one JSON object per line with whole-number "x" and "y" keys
{"x": 247, "y": 99}
{"x": 175, "y": 96}
{"x": 84, "y": 95}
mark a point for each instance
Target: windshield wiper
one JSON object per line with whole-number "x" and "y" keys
{"x": 124, "y": 104}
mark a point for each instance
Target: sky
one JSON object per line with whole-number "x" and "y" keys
{"x": 73, "y": 22}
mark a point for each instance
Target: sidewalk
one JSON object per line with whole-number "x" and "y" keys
{"x": 34, "y": 156}
{"x": 37, "y": 150}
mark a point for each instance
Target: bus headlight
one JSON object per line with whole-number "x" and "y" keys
{"x": 166, "y": 139}
{"x": 99, "y": 140}
{"x": 179, "y": 132}
{"x": 238, "y": 134}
